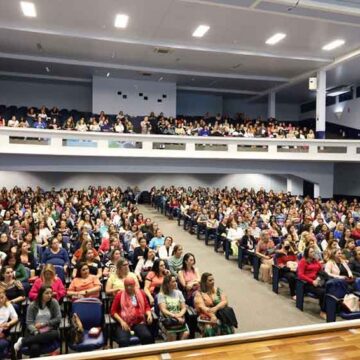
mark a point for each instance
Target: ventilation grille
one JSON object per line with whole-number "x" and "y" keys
{"x": 161, "y": 51}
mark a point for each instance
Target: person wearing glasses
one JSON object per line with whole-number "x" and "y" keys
{"x": 84, "y": 284}
{"x": 115, "y": 282}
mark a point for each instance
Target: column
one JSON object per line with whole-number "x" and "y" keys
{"x": 316, "y": 190}
{"x": 271, "y": 105}
{"x": 321, "y": 104}
{"x": 294, "y": 184}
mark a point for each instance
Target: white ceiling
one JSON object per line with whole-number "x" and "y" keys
{"x": 77, "y": 39}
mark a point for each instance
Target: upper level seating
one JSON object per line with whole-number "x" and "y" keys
{"x": 242, "y": 126}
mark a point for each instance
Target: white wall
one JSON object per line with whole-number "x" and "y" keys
{"x": 350, "y": 113}
{"x": 143, "y": 181}
{"x": 346, "y": 179}
{"x": 193, "y": 104}
{"x": 284, "y": 112}
{"x": 38, "y": 92}
{"x": 105, "y": 96}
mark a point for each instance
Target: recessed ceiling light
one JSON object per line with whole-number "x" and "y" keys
{"x": 47, "y": 69}
{"x": 200, "y": 31}
{"x": 275, "y": 39}
{"x": 121, "y": 21}
{"x": 333, "y": 45}
{"x": 108, "y": 74}
{"x": 28, "y": 8}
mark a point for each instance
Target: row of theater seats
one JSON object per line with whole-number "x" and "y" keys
{"x": 336, "y": 289}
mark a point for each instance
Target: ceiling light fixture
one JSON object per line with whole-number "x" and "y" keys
{"x": 28, "y": 8}
{"x": 108, "y": 74}
{"x": 333, "y": 45}
{"x": 275, "y": 39}
{"x": 338, "y": 90}
{"x": 200, "y": 31}
{"x": 47, "y": 69}
{"x": 121, "y": 21}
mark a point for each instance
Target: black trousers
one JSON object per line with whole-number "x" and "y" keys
{"x": 141, "y": 331}
{"x": 34, "y": 342}
{"x": 290, "y": 276}
{"x": 319, "y": 292}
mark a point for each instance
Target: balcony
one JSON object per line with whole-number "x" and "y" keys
{"x": 71, "y": 143}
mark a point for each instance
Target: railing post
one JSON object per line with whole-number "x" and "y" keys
{"x": 4, "y": 140}
{"x": 190, "y": 147}
{"x": 147, "y": 145}
{"x": 56, "y": 142}
{"x": 232, "y": 148}
{"x": 272, "y": 149}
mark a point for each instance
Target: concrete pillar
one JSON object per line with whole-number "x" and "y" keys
{"x": 272, "y": 105}
{"x": 316, "y": 190}
{"x": 321, "y": 105}
{"x": 295, "y": 185}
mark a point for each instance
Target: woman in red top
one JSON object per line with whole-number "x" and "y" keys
{"x": 286, "y": 260}
{"x": 308, "y": 270}
{"x": 131, "y": 310}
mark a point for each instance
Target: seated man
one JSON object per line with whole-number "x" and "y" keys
{"x": 131, "y": 310}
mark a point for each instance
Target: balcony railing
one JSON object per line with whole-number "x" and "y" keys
{"x": 73, "y": 143}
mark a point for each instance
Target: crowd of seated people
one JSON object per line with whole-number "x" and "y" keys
{"x": 59, "y": 247}
{"x": 312, "y": 240}
{"x": 242, "y": 126}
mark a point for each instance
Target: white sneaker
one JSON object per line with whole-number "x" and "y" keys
{"x": 18, "y": 344}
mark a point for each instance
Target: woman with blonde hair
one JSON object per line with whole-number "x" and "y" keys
{"x": 8, "y": 318}
{"x": 48, "y": 277}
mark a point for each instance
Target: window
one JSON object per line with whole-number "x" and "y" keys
{"x": 347, "y": 96}
{"x": 308, "y": 107}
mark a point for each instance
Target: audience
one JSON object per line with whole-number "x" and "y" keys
{"x": 241, "y": 126}
{"x": 114, "y": 248}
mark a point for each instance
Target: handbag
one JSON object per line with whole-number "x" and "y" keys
{"x": 76, "y": 329}
{"x": 351, "y": 303}
{"x": 292, "y": 265}
{"x": 227, "y": 316}
{"x": 170, "y": 322}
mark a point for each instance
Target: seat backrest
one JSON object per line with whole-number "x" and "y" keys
{"x": 336, "y": 287}
{"x": 90, "y": 312}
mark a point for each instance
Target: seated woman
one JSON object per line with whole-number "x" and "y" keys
{"x": 354, "y": 264}
{"x": 265, "y": 249}
{"x": 145, "y": 264}
{"x": 308, "y": 271}
{"x": 287, "y": 261}
{"x": 48, "y": 278}
{"x": 27, "y": 258}
{"x": 139, "y": 251}
{"x": 94, "y": 265}
{"x": 8, "y": 318}
{"x": 21, "y": 274}
{"x": 172, "y": 306}
{"x": 131, "y": 310}
{"x": 189, "y": 278}
{"x": 84, "y": 284}
{"x": 14, "y": 289}
{"x": 234, "y": 235}
{"x": 115, "y": 282}
{"x": 349, "y": 249}
{"x": 208, "y": 301}
{"x": 110, "y": 265}
{"x": 56, "y": 256}
{"x": 154, "y": 279}
{"x": 175, "y": 263}
{"x": 165, "y": 251}
{"x": 42, "y": 323}
{"x": 87, "y": 243}
{"x": 337, "y": 268}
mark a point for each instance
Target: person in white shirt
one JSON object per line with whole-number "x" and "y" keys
{"x": 235, "y": 234}
{"x": 8, "y": 318}
{"x": 13, "y": 122}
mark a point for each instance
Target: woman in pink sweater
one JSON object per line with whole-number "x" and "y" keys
{"x": 48, "y": 277}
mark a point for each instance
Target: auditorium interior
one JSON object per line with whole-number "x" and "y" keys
{"x": 180, "y": 179}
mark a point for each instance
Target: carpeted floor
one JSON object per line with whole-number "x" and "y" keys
{"x": 256, "y": 306}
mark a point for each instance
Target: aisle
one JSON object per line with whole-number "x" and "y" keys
{"x": 256, "y": 306}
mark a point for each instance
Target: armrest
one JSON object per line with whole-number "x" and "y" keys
{"x": 65, "y": 323}
{"x": 109, "y": 320}
{"x": 334, "y": 297}
{"x": 357, "y": 293}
